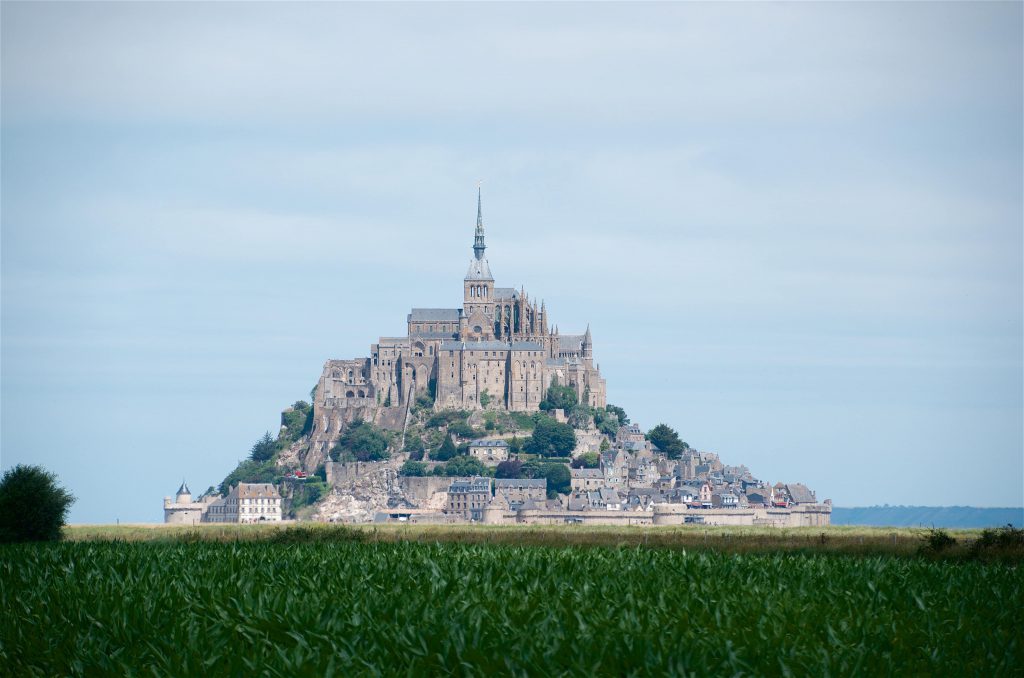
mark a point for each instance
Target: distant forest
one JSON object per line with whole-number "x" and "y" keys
{"x": 928, "y": 516}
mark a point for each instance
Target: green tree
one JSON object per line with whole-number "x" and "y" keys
{"x": 413, "y": 468}
{"x": 446, "y": 450}
{"x": 361, "y": 441}
{"x": 513, "y": 468}
{"x": 667, "y": 440}
{"x": 551, "y": 439}
{"x": 559, "y": 397}
{"x": 618, "y": 412}
{"x": 415, "y": 447}
{"x": 515, "y": 445}
{"x": 33, "y": 506}
{"x": 587, "y": 460}
{"x": 461, "y": 429}
{"x": 249, "y": 471}
{"x": 297, "y": 420}
{"x": 466, "y": 466}
{"x": 559, "y": 479}
{"x": 263, "y": 449}
{"x": 485, "y": 398}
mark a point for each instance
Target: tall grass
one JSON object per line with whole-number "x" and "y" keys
{"x": 354, "y": 606}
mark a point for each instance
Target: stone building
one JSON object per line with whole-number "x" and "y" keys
{"x": 499, "y": 349}
{"x": 490, "y": 452}
{"x": 247, "y": 503}
{"x": 468, "y": 497}
{"x": 517, "y": 491}
{"x": 182, "y": 510}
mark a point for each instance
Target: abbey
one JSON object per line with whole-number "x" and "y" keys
{"x": 497, "y": 350}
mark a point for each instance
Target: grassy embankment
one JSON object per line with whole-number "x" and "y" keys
{"x": 863, "y": 541}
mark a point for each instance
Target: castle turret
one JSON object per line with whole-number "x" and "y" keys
{"x": 184, "y": 495}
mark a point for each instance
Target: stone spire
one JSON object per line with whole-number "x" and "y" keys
{"x": 478, "y": 238}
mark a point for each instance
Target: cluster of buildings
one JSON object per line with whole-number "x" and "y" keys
{"x": 635, "y": 483}
{"x": 245, "y": 503}
{"x": 500, "y": 349}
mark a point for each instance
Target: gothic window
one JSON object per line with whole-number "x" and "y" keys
{"x": 350, "y": 376}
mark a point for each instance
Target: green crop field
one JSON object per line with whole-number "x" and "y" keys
{"x": 354, "y": 603}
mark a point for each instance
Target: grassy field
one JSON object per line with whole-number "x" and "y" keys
{"x": 740, "y": 540}
{"x": 270, "y": 602}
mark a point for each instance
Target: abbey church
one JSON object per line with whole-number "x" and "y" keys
{"x": 498, "y": 350}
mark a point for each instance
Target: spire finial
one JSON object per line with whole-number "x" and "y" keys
{"x": 478, "y": 238}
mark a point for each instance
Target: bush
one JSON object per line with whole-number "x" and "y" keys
{"x": 308, "y": 493}
{"x": 462, "y": 429}
{"x": 523, "y": 421}
{"x": 551, "y": 439}
{"x": 413, "y": 468}
{"x": 363, "y": 442}
{"x": 618, "y": 412}
{"x": 587, "y": 460}
{"x": 466, "y": 466}
{"x": 297, "y": 420}
{"x": 937, "y": 541}
{"x": 414, "y": 446}
{"x": 33, "y": 507}
{"x": 1005, "y": 539}
{"x": 445, "y": 417}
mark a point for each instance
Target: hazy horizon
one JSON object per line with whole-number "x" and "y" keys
{"x": 794, "y": 229}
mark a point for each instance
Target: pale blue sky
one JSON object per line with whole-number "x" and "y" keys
{"x": 795, "y": 229}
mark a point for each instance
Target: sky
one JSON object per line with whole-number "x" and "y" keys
{"x": 794, "y": 229}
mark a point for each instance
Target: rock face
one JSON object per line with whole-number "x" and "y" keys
{"x": 356, "y": 496}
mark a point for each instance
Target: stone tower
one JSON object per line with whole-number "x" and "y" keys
{"x": 478, "y": 287}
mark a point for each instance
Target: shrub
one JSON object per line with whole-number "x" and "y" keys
{"x": 466, "y": 466}
{"x": 937, "y": 541}
{"x": 1005, "y": 539}
{"x": 297, "y": 420}
{"x": 587, "y": 460}
{"x": 33, "y": 507}
{"x": 363, "y": 441}
{"x": 413, "y": 468}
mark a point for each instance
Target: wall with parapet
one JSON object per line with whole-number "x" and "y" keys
{"x": 801, "y": 515}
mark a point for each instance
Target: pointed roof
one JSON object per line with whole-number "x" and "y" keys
{"x": 184, "y": 488}
{"x": 478, "y": 267}
{"x": 586, "y": 337}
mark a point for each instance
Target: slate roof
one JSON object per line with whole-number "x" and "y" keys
{"x": 520, "y": 483}
{"x": 800, "y": 494}
{"x": 252, "y": 490}
{"x": 505, "y": 293}
{"x": 570, "y": 342}
{"x": 473, "y": 346}
{"x": 489, "y": 443}
{"x": 478, "y": 484}
{"x": 527, "y": 346}
{"x": 479, "y": 270}
{"x": 184, "y": 489}
{"x": 586, "y": 473}
{"x": 434, "y": 314}
{"x": 434, "y": 335}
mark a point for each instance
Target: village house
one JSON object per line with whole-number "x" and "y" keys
{"x": 586, "y": 479}
{"x": 246, "y": 503}
{"x": 519, "y": 490}
{"x": 490, "y": 452}
{"x": 468, "y": 497}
